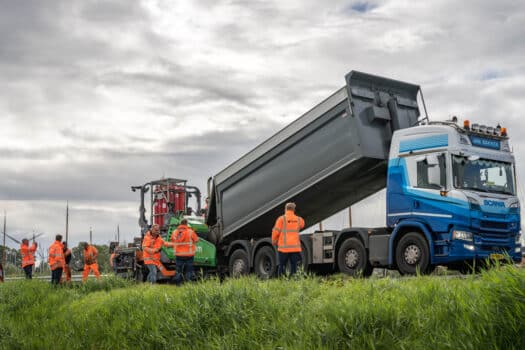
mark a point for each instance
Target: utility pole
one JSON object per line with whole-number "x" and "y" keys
{"x": 67, "y": 222}
{"x": 90, "y": 236}
{"x": 4, "y": 250}
{"x": 118, "y": 234}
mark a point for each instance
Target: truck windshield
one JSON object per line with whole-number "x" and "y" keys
{"x": 483, "y": 175}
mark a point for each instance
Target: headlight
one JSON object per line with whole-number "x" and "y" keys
{"x": 515, "y": 205}
{"x": 474, "y": 204}
{"x": 462, "y": 235}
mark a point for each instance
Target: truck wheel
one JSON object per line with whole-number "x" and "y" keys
{"x": 239, "y": 263}
{"x": 352, "y": 258}
{"x": 265, "y": 263}
{"x": 412, "y": 254}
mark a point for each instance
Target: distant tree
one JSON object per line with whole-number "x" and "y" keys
{"x": 13, "y": 260}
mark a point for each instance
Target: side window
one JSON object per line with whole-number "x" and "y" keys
{"x": 431, "y": 172}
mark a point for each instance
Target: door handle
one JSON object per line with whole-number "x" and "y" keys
{"x": 416, "y": 204}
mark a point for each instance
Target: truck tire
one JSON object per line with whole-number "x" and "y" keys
{"x": 352, "y": 258}
{"x": 239, "y": 264}
{"x": 412, "y": 254}
{"x": 265, "y": 265}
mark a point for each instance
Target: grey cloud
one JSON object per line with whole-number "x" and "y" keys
{"x": 112, "y": 171}
{"x": 210, "y": 84}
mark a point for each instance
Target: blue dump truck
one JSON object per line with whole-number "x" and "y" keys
{"x": 450, "y": 189}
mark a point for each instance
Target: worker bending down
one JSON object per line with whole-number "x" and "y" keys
{"x": 184, "y": 240}
{"x": 151, "y": 245}
{"x": 285, "y": 236}
{"x": 90, "y": 261}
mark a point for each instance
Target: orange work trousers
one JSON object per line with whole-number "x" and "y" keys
{"x": 88, "y": 268}
{"x": 67, "y": 277}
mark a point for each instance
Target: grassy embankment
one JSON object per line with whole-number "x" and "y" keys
{"x": 483, "y": 312}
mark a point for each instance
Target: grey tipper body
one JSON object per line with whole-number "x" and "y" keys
{"x": 331, "y": 157}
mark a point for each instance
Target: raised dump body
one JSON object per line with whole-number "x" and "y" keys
{"x": 330, "y": 158}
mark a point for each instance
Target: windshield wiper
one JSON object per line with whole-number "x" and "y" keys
{"x": 474, "y": 189}
{"x": 500, "y": 192}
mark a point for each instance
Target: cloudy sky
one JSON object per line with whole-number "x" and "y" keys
{"x": 98, "y": 96}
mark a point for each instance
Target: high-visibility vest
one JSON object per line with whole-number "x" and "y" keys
{"x": 56, "y": 256}
{"x": 149, "y": 245}
{"x": 285, "y": 233}
{"x": 28, "y": 254}
{"x": 90, "y": 255}
{"x": 184, "y": 239}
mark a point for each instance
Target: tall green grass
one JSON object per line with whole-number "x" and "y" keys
{"x": 481, "y": 312}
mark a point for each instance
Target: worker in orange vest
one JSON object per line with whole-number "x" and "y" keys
{"x": 56, "y": 259}
{"x": 112, "y": 258}
{"x": 90, "y": 261}
{"x": 28, "y": 257}
{"x": 67, "y": 259}
{"x": 151, "y": 246}
{"x": 285, "y": 236}
{"x": 184, "y": 240}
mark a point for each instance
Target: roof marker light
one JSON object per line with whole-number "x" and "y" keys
{"x": 503, "y": 131}
{"x": 466, "y": 124}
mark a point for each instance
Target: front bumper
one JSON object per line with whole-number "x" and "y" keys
{"x": 482, "y": 248}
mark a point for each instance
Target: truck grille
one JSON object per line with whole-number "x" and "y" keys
{"x": 494, "y": 225}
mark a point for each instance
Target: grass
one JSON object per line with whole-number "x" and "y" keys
{"x": 482, "y": 312}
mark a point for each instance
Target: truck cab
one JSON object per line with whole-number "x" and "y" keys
{"x": 456, "y": 187}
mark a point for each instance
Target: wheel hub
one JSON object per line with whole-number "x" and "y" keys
{"x": 266, "y": 265}
{"x": 351, "y": 258}
{"x": 412, "y": 254}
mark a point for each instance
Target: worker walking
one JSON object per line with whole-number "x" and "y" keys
{"x": 184, "y": 240}
{"x": 56, "y": 259}
{"x": 151, "y": 245}
{"x": 285, "y": 236}
{"x": 28, "y": 257}
{"x": 67, "y": 258}
{"x": 90, "y": 261}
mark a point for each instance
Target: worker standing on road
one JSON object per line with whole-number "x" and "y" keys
{"x": 1, "y": 273}
{"x": 184, "y": 240}
{"x": 28, "y": 257}
{"x": 67, "y": 258}
{"x": 56, "y": 259}
{"x": 90, "y": 261}
{"x": 151, "y": 245}
{"x": 285, "y": 236}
